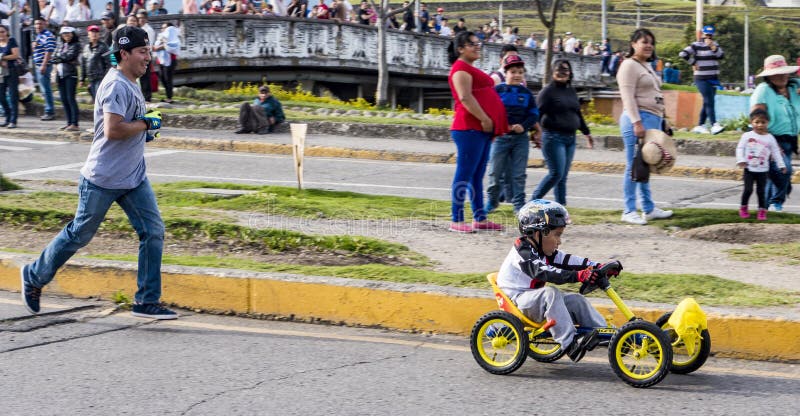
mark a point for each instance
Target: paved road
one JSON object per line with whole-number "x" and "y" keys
{"x": 85, "y": 359}
{"x": 36, "y": 159}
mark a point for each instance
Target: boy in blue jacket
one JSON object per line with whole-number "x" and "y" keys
{"x": 509, "y": 153}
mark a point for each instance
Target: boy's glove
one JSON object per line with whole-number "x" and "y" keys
{"x": 152, "y": 136}
{"x": 589, "y": 275}
{"x": 611, "y": 268}
{"x": 153, "y": 119}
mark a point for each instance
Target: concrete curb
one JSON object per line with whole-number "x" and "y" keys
{"x": 385, "y": 155}
{"x": 355, "y": 302}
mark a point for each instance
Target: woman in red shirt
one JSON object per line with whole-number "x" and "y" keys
{"x": 479, "y": 116}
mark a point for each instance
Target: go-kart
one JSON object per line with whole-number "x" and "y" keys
{"x": 641, "y": 353}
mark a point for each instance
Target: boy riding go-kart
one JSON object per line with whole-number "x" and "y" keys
{"x": 540, "y": 321}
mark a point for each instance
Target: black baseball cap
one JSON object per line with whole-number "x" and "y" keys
{"x": 128, "y": 38}
{"x": 107, "y": 16}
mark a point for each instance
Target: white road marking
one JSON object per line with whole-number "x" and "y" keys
{"x": 73, "y": 166}
{"x": 15, "y": 148}
{"x": 30, "y": 141}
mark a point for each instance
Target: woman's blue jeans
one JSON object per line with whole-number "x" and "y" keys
{"x": 558, "y": 150}
{"x": 472, "y": 154}
{"x": 93, "y": 203}
{"x": 779, "y": 184}
{"x": 708, "y": 89}
{"x": 629, "y": 187}
{"x": 508, "y": 159}
{"x": 9, "y": 96}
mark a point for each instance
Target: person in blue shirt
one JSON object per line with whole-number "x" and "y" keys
{"x": 671, "y": 75}
{"x": 509, "y": 153}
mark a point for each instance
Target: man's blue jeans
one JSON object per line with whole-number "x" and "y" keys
{"x": 558, "y": 150}
{"x": 471, "y": 157}
{"x": 708, "y": 89}
{"x": 508, "y": 159}
{"x": 93, "y": 203}
{"x": 47, "y": 91}
{"x": 779, "y": 184}
{"x": 650, "y": 121}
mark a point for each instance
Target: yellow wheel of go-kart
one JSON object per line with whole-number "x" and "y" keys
{"x": 545, "y": 349}
{"x": 640, "y": 353}
{"x": 684, "y": 362}
{"x": 499, "y": 342}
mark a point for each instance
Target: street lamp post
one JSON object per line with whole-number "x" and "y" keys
{"x": 603, "y": 20}
{"x": 746, "y": 48}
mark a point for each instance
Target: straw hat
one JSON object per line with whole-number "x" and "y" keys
{"x": 659, "y": 151}
{"x": 776, "y": 65}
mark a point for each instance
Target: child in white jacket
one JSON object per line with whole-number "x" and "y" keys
{"x": 753, "y": 155}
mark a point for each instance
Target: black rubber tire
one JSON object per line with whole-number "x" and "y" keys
{"x": 701, "y": 354}
{"x": 512, "y": 333}
{"x": 634, "y": 331}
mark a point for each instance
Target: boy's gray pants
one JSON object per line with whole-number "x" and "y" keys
{"x": 567, "y": 309}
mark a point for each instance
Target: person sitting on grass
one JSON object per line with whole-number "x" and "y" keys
{"x": 263, "y": 115}
{"x": 753, "y": 154}
{"x": 535, "y": 260}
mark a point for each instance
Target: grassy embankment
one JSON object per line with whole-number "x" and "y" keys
{"x": 213, "y": 218}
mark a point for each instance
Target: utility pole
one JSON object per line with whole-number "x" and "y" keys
{"x": 417, "y": 10}
{"x": 500, "y": 18}
{"x": 699, "y": 21}
{"x": 603, "y": 20}
{"x": 746, "y": 48}
{"x": 638, "y": 14}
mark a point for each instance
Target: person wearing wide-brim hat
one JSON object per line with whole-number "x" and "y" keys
{"x": 659, "y": 151}
{"x": 778, "y": 95}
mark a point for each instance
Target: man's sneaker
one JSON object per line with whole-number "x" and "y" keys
{"x": 657, "y": 214}
{"x": 762, "y": 214}
{"x": 152, "y": 310}
{"x": 633, "y": 218}
{"x": 30, "y": 294}
{"x": 777, "y": 207}
{"x": 717, "y": 128}
{"x": 581, "y": 344}
{"x": 48, "y": 117}
{"x": 486, "y": 226}
{"x": 700, "y": 130}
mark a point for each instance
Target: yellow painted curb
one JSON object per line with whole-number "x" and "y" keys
{"x": 363, "y": 303}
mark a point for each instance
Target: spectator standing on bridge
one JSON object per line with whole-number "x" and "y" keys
{"x": 531, "y": 41}
{"x": 95, "y": 63}
{"x": 262, "y": 116}
{"x": 9, "y": 88}
{"x": 479, "y": 116}
{"x": 66, "y": 59}
{"x": 568, "y": 44}
{"x": 108, "y": 24}
{"x": 365, "y": 13}
{"x": 114, "y": 172}
{"x": 461, "y": 26}
{"x": 704, "y": 56}
{"x": 560, "y": 114}
{"x": 44, "y": 45}
{"x": 444, "y": 28}
{"x": 155, "y": 8}
{"x": 779, "y": 95}
{"x": 437, "y": 19}
{"x": 642, "y": 110}
{"x": 408, "y": 19}
{"x": 323, "y": 11}
{"x": 605, "y": 52}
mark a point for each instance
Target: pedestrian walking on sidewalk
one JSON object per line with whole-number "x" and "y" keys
{"x": 114, "y": 172}
{"x": 704, "y": 56}
{"x": 753, "y": 154}
{"x": 479, "y": 116}
{"x": 643, "y": 109}
{"x": 560, "y": 114}
{"x": 778, "y": 95}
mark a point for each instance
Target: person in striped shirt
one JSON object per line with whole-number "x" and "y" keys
{"x": 43, "y": 47}
{"x": 704, "y": 56}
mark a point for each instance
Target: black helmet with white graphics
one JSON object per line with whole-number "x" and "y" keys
{"x": 542, "y": 215}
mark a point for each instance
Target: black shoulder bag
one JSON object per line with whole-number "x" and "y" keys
{"x": 640, "y": 172}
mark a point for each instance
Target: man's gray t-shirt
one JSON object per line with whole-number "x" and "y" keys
{"x": 116, "y": 164}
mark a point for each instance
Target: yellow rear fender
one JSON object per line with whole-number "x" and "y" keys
{"x": 689, "y": 321}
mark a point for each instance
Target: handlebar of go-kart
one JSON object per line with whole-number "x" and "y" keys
{"x": 602, "y": 281}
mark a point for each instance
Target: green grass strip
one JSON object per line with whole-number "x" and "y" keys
{"x": 790, "y": 252}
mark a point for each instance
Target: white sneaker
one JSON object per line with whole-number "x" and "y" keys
{"x": 657, "y": 214}
{"x": 700, "y": 130}
{"x": 716, "y": 128}
{"x": 633, "y": 218}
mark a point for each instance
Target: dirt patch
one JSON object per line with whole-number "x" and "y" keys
{"x": 26, "y": 239}
{"x": 750, "y": 233}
